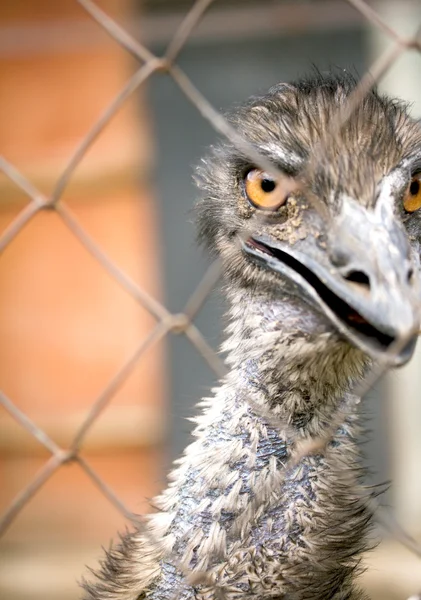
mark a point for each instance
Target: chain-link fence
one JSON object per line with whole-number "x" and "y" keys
{"x": 166, "y": 322}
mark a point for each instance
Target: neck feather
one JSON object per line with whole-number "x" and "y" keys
{"x": 290, "y": 360}
{"x": 237, "y": 514}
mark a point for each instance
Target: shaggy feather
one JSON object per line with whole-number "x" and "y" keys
{"x": 241, "y": 519}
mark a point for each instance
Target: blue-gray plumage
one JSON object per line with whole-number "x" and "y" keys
{"x": 325, "y": 283}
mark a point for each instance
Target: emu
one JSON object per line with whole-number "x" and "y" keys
{"x": 324, "y": 282}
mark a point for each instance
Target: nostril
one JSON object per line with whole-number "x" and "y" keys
{"x": 358, "y": 277}
{"x": 410, "y": 275}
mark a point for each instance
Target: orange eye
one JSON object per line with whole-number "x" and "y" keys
{"x": 412, "y": 200}
{"x": 263, "y": 190}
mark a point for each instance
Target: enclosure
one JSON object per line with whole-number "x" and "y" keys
{"x": 110, "y": 317}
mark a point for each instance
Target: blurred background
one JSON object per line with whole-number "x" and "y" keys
{"x": 67, "y": 327}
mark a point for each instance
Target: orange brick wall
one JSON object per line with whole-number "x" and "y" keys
{"x": 66, "y": 326}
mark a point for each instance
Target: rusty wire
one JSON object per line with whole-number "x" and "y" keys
{"x": 182, "y": 323}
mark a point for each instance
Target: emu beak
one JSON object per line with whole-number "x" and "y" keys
{"x": 364, "y": 282}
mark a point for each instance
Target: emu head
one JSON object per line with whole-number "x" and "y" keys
{"x": 340, "y": 231}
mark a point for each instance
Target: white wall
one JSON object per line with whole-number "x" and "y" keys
{"x": 404, "y": 386}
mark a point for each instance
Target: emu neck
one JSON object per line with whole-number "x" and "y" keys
{"x": 236, "y": 518}
{"x": 291, "y": 362}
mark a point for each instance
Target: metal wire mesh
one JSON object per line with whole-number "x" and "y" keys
{"x": 182, "y": 323}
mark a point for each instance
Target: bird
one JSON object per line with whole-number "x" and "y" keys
{"x": 320, "y": 253}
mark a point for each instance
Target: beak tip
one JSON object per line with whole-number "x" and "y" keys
{"x": 405, "y": 347}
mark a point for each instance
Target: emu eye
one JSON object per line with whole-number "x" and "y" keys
{"x": 263, "y": 190}
{"x": 412, "y": 199}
